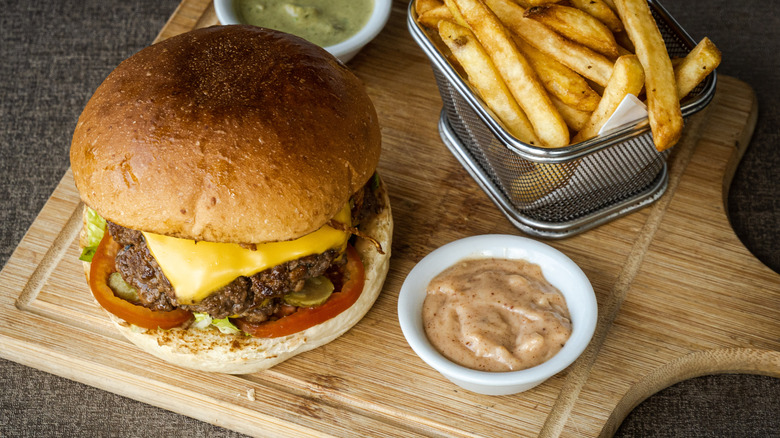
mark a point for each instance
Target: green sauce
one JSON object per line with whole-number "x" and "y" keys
{"x": 323, "y": 22}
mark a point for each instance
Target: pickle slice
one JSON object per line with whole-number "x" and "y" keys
{"x": 315, "y": 292}
{"x": 121, "y": 288}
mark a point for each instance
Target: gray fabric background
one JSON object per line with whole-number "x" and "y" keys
{"x": 54, "y": 54}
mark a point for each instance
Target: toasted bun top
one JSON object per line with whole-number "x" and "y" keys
{"x": 226, "y": 134}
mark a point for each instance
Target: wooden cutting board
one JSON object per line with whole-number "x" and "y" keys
{"x": 679, "y": 296}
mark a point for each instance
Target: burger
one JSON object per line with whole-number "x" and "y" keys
{"x": 233, "y": 214}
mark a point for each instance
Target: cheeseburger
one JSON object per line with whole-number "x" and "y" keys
{"x": 233, "y": 214}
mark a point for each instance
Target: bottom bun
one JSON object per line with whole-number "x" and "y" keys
{"x": 211, "y": 350}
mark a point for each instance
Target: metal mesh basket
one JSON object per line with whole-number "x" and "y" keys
{"x": 556, "y": 192}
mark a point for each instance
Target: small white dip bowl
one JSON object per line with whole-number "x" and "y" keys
{"x": 558, "y": 269}
{"x": 345, "y": 50}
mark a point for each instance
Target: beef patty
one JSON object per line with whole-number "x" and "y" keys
{"x": 255, "y": 298}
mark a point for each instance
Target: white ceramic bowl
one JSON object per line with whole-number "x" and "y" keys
{"x": 344, "y": 50}
{"x": 558, "y": 269}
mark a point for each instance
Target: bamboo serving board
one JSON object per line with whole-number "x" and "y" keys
{"x": 679, "y": 296}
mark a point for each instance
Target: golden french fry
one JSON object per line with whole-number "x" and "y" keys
{"x": 584, "y": 61}
{"x": 540, "y": 180}
{"x": 611, "y": 4}
{"x": 627, "y": 78}
{"x": 485, "y": 79}
{"x": 623, "y": 51}
{"x": 517, "y": 73}
{"x": 423, "y": 6}
{"x": 601, "y": 11}
{"x": 692, "y": 69}
{"x": 577, "y": 26}
{"x": 663, "y": 105}
{"x": 624, "y": 41}
{"x": 574, "y": 118}
{"x": 431, "y": 17}
{"x": 531, "y": 181}
{"x": 559, "y": 80}
{"x": 456, "y": 15}
{"x": 532, "y": 3}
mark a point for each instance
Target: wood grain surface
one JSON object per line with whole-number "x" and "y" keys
{"x": 679, "y": 296}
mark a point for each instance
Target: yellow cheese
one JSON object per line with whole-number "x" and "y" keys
{"x": 196, "y": 269}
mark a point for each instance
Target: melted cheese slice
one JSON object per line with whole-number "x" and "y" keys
{"x": 196, "y": 269}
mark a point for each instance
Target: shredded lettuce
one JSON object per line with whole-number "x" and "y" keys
{"x": 203, "y": 320}
{"x": 96, "y": 227}
{"x": 225, "y": 326}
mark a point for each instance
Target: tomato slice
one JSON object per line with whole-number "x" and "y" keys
{"x": 311, "y": 316}
{"x": 103, "y": 265}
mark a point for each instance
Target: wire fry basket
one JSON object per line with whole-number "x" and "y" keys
{"x": 556, "y": 193}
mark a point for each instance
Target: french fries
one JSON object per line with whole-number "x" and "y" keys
{"x": 574, "y": 118}
{"x": 532, "y": 3}
{"x": 423, "y": 6}
{"x": 520, "y": 78}
{"x": 611, "y": 4}
{"x": 624, "y": 42}
{"x": 555, "y": 73}
{"x": 486, "y": 80}
{"x": 456, "y": 15}
{"x": 431, "y": 17}
{"x": 699, "y": 63}
{"x": 628, "y": 77}
{"x": 577, "y": 57}
{"x": 559, "y": 80}
{"x": 540, "y": 180}
{"x": 663, "y": 105}
{"x": 601, "y": 11}
{"x": 576, "y": 25}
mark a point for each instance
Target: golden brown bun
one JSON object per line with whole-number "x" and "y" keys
{"x": 211, "y": 350}
{"x": 226, "y": 134}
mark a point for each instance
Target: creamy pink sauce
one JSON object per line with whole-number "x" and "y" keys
{"x": 495, "y": 315}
